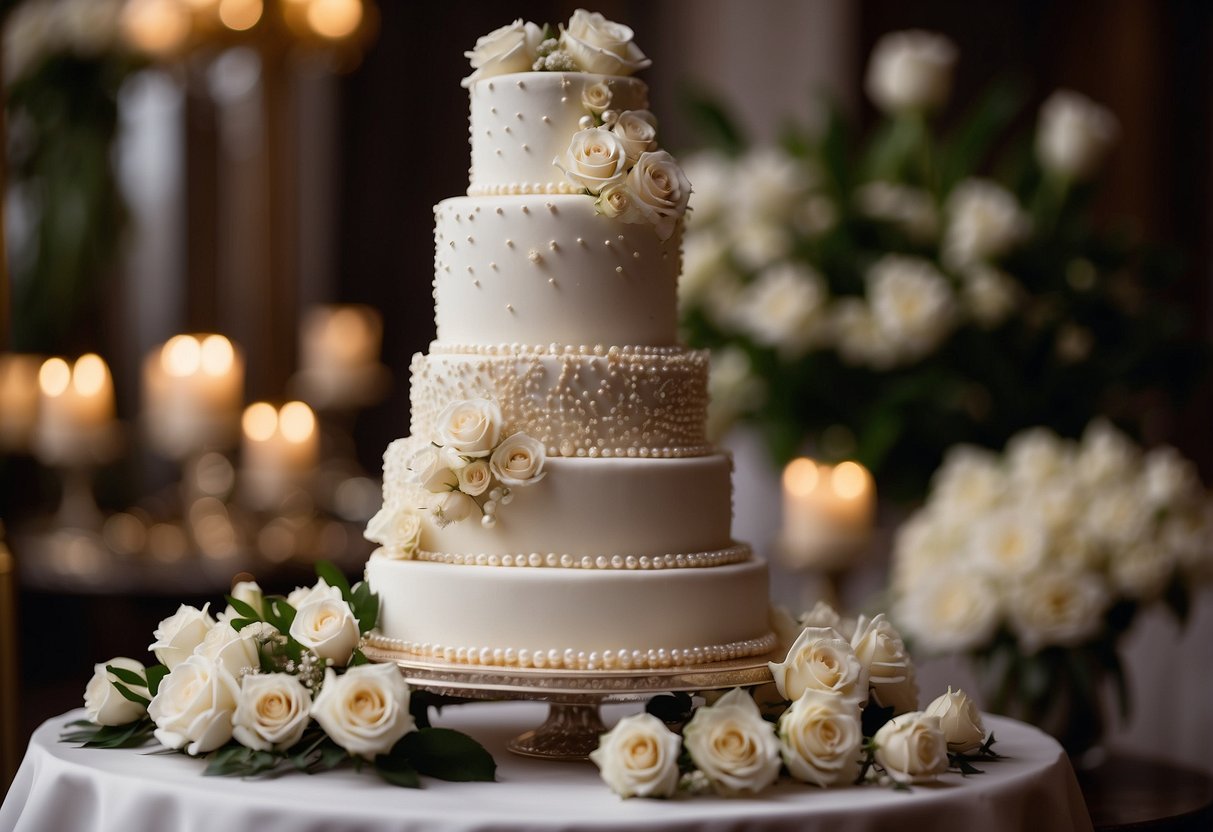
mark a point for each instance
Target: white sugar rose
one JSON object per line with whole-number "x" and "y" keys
{"x": 617, "y": 201}
{"x": 600, "y": 45}
{"x": 661, "y": 190}
{"x": 327, "y": 627}
{"x": 365, "y": 710}
{"x": 103, "y": 704}
{"x": 511, "y": 48}
{"x": 178, "y": 635}
{"x": 890, "y": 672}
{"x": 429, "y": 469}
{"x": 639, "y": 757}
{"x": 733, "y": 745}
{"x": 595, "y": 159}
{"x": 397, "y": 530}
{"x": 193, "y": 707}
{"x": 452, "y": 507}
{"x": 236, "y": 651}
{"x": 474, "y": 478}
{"x": 272, "y": 712}
{"x": 597, "y": 97}
{"x": 959, "y": 720}
{"x": 822, "y": 660}
{"x": 472, "y": 426}
{"x": 911, "y": 748}
{"x": 1074, "y": 135}
{"x": 821, "y": 739}
{"x": 518, "y": 461}
{"x": 637, "y": 129}
{"x": 910, "y": 71}
{"x": 823, "y": 615}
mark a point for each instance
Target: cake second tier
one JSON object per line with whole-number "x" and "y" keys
{"x": 542, "y": 269}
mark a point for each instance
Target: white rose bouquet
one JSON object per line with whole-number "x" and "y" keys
{"x": 1034, "y": 563}
{"x": 843, "y": 711}
{"x": 882, "y": 298}
{"x": 276, "y": 683}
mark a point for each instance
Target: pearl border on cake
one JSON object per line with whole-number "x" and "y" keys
{"x": 552, "y": 560}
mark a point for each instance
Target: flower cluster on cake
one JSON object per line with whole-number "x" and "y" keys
{"x": 842, "y": 710}
{"x": 1035, "y": 561}
{"x": 557, "y": 460}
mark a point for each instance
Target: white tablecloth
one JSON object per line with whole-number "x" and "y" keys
{"x": 62, "y": 787}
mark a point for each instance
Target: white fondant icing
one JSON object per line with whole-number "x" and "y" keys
{"x": 518, "y": 129}
{"x": 553, "y": 560}
{"x": 436, "y": 605}
{"x": 570, "y": 293}
{"x": 610, "y": 404}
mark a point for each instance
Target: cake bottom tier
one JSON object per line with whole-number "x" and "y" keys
{"x": 572, "y": 618}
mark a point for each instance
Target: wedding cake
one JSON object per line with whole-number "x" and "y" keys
{"x": 558, "y": 504}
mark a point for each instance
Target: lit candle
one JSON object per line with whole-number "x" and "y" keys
{"x": 192, "y": 388}
{"x": 827, "y": 513}
{"x": 18, "y": 400}
{"x": 75, "y": 411}
{"x": 279, "y": 450}
{"x": 339, "y": 356}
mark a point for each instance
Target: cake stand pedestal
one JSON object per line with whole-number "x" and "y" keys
{"x": 573, "y": 724}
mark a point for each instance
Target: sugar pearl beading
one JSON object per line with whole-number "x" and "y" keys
{"x": 551, "y": 560}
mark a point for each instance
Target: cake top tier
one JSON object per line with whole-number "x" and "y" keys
{"x": 555, "y": 111}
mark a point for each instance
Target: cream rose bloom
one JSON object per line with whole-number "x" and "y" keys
{"x": 1063, "y": 607}
{"x": 913, "y": 305}
{"x": 272, "y": 712}
{"x": 1074, "y": 135}
{"x": 471, "y": 426}
{"x": 820, "y": 659}
{"x": 193, "y": 707}
{"x": 396, "y": 529}
{"x": 784, "y": 308}
{"x": 452, "y": 507}
{"x": 985, "y": 221}
{"x": 960, "y": 721}
{"x": 639, "y": 757}
{"x": 103, "y": 704}
{"x": 430, "y": 469}
{"x": 950, "y": 610}
{"x": 518, "y": 461}
{"x": 891, "y": 678}
{"x": 637, "y": 129}
{"x": 474, "y": 478}
{"x": 661, "y": 190}
{"x": 615, "y": 200}
{"x": 250, "y": 593}
{"x": 365, "y": 710}
{"x": 821, "y": 739}
{"x": 597, "y": 97}
{"x": 595, "y": 159}
{"x": 178, "y": 635}
{"x": 910, "y": 71}
{"x": 300, "y": 595}
{"x": 237, "y": 651}
{"x": 911, "y": 748}
{"x": 910, "y": 209}
{"x": 511, "y": 48}
{"x": 326, "y": 626}
{"x": 600, "y": 45}
{"x": 732, "y": 745}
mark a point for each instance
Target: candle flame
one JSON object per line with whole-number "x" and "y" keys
{"x": 239, "y": 15}
{"x": 849, "y": 480}
{"x": 181, "y": 356}
{"x": 217, "y": 355}
{"x": 296, "y": 422}
{"x": 334, "y": 19}
{"x": 89, "y": 375}
{"x": 54, "y": 377}
{"x": 260, "y": 420}
{"x": 801, "y": 476}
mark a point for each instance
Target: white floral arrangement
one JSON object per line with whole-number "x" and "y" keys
{"x": 1037, "y": 559}
{"x": 466, "y": 470}
{"x": 614, "y": 157}
{"x": 891, "y": 295}
{"x": 843, "y": 711}
{"x": 273, "y": 684}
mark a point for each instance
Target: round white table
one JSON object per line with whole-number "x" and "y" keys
{"x": 62, "y": 787}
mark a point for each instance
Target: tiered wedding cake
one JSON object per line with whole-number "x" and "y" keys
{"x": 557, "y": 504}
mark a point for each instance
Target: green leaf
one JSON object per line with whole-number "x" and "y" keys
{"x": 245, "y": 610}
{"x": 397, "y": 770}
{"x": 131, "y": 735}
{"x": 447, "y": 755}
{"x": 239, "y": 624}
{"x": 128, "y": 676}
{"x": 713, "y": 123}
{"x": 130, "y": 695}
{"x": 279, "y": 613}
{"x": 358, "y": 658}
{"x": 365, "y": 606}
{"x": 334, "y": 577}
{"x": 155, "y": 675}
{"x": 972, "y": 140}
{"x": 238, "y": 761}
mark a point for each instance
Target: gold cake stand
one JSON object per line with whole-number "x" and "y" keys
{"x": 574, "y": 723}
